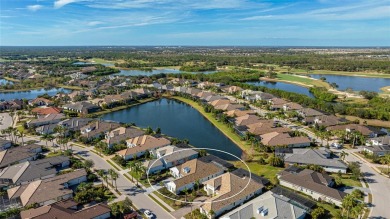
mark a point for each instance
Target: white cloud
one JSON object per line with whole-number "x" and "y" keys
{"x": 94, "y": 23}
{"x": 34, "y": 7}
{"x": 62, "y": 3}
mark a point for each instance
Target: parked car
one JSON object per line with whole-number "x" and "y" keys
{"x": 148, "y": 214}
{"x": 336, "y": 145}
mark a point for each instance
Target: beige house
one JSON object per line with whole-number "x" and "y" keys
{"x": 139, "y": 145}
{"x": 191, "y": 172}
{"x": 228, "y": 191}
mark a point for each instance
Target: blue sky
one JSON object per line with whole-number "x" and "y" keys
{"x": 195, "y": 22}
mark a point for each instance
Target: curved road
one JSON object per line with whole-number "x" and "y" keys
{"x": 379, "y": 186}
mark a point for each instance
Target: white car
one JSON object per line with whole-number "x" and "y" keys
{"x": 148, "y": 214}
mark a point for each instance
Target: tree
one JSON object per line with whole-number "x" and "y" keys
{"x": 101, "y": 173}
{"x": 158, "y": 131}
{"x": 354, "y": 167}
{"x": 347, "y": 204}
{"x": 276, "y": 161}
{"x": 88, "y": 164}
{"x": 343, "y": 154}
{"x": 21, "y": 135}
{"x": 317, "y": 212}
{"x": 149, "y": 131}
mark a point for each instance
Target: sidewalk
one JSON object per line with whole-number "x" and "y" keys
{"x": 371, "y": 165}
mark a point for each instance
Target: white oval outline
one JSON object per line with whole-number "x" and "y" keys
{"x": 249, "y": 170}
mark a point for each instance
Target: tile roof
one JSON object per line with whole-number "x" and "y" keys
{"x": 46, "y": 110}
{"x": 277, "y": 139}
{"x": 314, "y": 182}
{"x": 312, "y": 156}
{"x": 230, "y": 188}
{"x": 198, "y": 169}
{"x": 16, "y": 154}
{"x": 143, "y": 143}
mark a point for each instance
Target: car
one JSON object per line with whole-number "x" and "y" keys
{"x": 148, "y": 214}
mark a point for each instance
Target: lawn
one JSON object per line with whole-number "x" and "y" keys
{"x": 347, "y": 180}
{"x": 334, "y": 212}
{"x": 137, "y": 177}
{"x": 372, "y": 122}
{"x": 222, "y": 127}
{"x": 174, "y": 204}
{"x": 384, "y": 170}
{"x": 302, "y": 80}
{"x": 266, "y": 171}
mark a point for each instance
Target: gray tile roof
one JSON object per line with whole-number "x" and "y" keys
{"x": 313, "y": 156}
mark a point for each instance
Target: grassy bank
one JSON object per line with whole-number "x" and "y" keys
{"x": 298, "y": 80}
{"x": 222, "y": 127}
{"x": 121, "y": 107}
{"x": 266, "y": 171}
{"x": 11, "y": 79}
{"x": 372, "y": 122}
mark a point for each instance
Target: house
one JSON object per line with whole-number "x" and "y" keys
{"x": 219, "y": 102}
{"x": 252, "y": 96}
{"x": 308, "y": 115}
{"x": 46, "y": 110}
{"x": 29, "y": 171}
{"x": 139, "y": 145}
{"x": 11, "y": 104}
{"x": 46, "y": 120}
{"x": 276, "y": 103}
{"x": 267, "y": 206}
{"x": 320, "y": 157}
{"x": 364, "y": 130}
{"x": 232, "y": 89}
{"x": 205, "y": 84}
{"x": 281, "y": 139}
{"x": 68, "y": 209}
{"x": 247, "y": 120}
{"x": 5, "y": 144}
{"x": 314, "y": 184}
{"x": 193, "y": 91}
{"x": 228, "y": 191}
{"x": 229, "y": 107}
{"x": 191, "y": 172}
{"x": 291, "y": 106}
{"x": 121, "y": 134}
{"x": 97, "y": 128}
{"x": 75, "y": 123}
{"x": 46, "y": 129}
{"x": 262, "y": 128}
{"x": 40, "y": 102}
{"x": 169, "y": 156}
{"x": 142, "y": 92}
{"x": 78, "y": 76}
{"x": 378, "y": 150}
{"x": 239, "y": 112}
{"x": 328, "y": 120}
{"x": 213, "y": 97}
{"x": 19, "y": 154}
{"x": 47, "y": 191}
{"x": 82, "y": 107}
{"x": 204, "y": 94}
{"x": 378, "y": 141}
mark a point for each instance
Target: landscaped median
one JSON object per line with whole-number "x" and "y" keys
{"x": 222, "y": 127}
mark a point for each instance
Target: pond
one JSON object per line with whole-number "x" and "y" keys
{"x": 178, "y": 120}
{"x": 283, "y": 86}
{"x": 31, "y": 94}
{"x": 356, "y": 83}
{"x": 134, "y": 72}
{"x": 107, "y": 64}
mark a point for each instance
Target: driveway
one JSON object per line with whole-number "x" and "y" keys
{"x": 379, "y": 187}
{"x": 5, "y": 121}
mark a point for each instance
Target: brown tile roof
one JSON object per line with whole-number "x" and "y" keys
{"x": 313, "y": 181}
{"x": 99, "y": 127}
{"x": 247, "y": 119}
{"x": 267, "y": 128}
{"x": 238, "y": 112}
{"x": 40, "y": 99}
{"x": 277, "y": 139}
{"x": 44, "y": 190}
{"x": 61, "y": 211}
{"x": 143, "y": 143}
{"x": 230, "y": 188}
{"x": 120, "y": 134}
{"x": 293, "y": 106}
{"x": 219, "y": 102}
{"x": 229, "y": 106}
{"x": 16, "y": 154}
{"x": 364, "y": 130}
{"x": 198, "y": 170}
{"x": 46, "y": 110}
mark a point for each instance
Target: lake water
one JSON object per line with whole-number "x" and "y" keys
{"x": 178, "y": 120}
{"x": 354, "y": 82}
{"x": 134, "y": 72}
{"x": 31, "y": 94}
{"x": 93, "y": 63}
{"x": 283, "y": 86}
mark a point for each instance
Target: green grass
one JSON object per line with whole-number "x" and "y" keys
{"x": 347, "y": 180}
{"x": 120, "y": 107}
{"x": 334, "y": 212}
{"x": 111, "y": 163}
{"x": 168, "y": 201}
{"x": 266, "y": 171}
{"x": 137, "y": 177}
{"x": 384, "y": 170}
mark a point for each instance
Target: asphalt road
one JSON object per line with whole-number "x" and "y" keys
{"x": 379, "y": 186}
{"x": 125, "y": 187}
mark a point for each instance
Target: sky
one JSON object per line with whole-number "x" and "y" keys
{"x": 195, "y": 22}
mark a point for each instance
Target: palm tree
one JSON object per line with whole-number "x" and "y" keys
{"x": 185, "y": 190}
{"x": 21, "y": 134}
{"x": 50, "y": 138}
{"x": 110, "y": 174}
{"x": 197, "y": 184}
{"x": 45, "y": 137}
{"x": 101, "y": 173}
{"x": 114, "y": 177}
{"x": 343, "y": 154}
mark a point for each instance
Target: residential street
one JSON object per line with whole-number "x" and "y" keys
{"x": 127, "y": 188}
{"x": 379, "y": 186}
